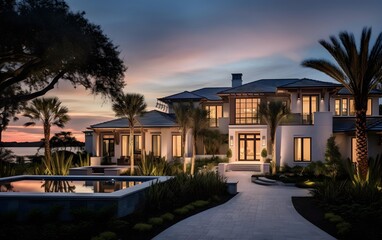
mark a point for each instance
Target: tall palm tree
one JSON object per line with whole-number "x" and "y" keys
{"x": 359, "y": 70}
{"x": 198, "y": 123}
{"x": 130, "y": 105}
{"x": 272, "y": 113}
{"x": 50, "y": 112}
{"x": 182, "y": 114}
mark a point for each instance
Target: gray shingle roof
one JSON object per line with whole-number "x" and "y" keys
{"x": 183, "y": 96}
{"x": 347, "y": 124}
{"x": 345, "y": 91}
{"x": 149, "y": 119}
{"x": 209, "y": 93}
{"x": 271, "y": 85}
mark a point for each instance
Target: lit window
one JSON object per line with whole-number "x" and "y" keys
{"x": 156, "y": 145}
{"x": 309, "y": 107}
{"x": 344, "y": 107}
{"x": 302, "y": 149}
{"x": 137, "y": 145}
{"x": 214, "y": 113}
{"x": 108, "y": 145}
{"x": 125, "y": 146}
{"x": 353, "y": 149}
{"x": 368, "y": 112}
{"x": 351, "y": 107}
{"x": 249, "y": 147}
{"x": 247, "y": 111}
{"x": 176, "y": 146}
{"x": 337, "y": 107}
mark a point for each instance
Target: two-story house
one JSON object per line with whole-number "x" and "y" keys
{"x": 318, "y": 110}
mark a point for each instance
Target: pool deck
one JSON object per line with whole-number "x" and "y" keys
{"x": 256, "y": 212}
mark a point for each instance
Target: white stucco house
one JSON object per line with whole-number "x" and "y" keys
{"x": 318, "y": 110}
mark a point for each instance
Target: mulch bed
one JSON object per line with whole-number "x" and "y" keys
{"x": 309, "y": 208}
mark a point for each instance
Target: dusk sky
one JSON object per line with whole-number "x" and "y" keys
{"x": 171, "y": 46}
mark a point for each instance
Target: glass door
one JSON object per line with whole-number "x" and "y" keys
{"x": 249, "y": 149}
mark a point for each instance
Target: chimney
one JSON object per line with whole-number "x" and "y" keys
{"x": 236, "y": 79}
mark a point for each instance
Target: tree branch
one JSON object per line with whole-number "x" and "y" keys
{"x": 27, "y": 97}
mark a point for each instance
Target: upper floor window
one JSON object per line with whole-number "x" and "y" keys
{"x": 345, "y": 107}
{"x": 246, "y": 111}
{"x": 309, "y": 107}
{"x": 214, "y": 113}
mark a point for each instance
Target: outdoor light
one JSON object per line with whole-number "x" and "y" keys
{"x": 298, "y": 96}
{"x": 231, "y": 140}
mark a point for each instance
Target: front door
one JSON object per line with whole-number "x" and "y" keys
{"x": 249, "y": 147}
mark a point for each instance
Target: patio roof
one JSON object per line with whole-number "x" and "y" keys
{"x": 152, "y": 118}
{"x": 347, "y": 124}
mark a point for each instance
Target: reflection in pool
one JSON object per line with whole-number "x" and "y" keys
{"x": 88, "y": 186}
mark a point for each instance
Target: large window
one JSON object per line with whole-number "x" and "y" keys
{"x": 302, "y": 149}
{"x": 249, "y": 147}
{"x": 176, "y": 145}
{"x": 345, "y": 107}
{"x": 125, "y": 149}
{"x": 214, "y": 113}
{"x": 156, "y": 145}
{"x": 108, "y": 145}
{"x": 247, "y": 111}
{"x": 309, "y": 107}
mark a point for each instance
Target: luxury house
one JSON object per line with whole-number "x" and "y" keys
{"x": 318, "y": 110}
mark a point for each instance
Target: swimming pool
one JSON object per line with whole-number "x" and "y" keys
{"x": 26, "y": 193}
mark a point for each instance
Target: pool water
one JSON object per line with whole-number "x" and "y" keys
{"x": 68, "y": 186}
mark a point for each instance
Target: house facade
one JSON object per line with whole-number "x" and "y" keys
{"x": 318, "y": 110}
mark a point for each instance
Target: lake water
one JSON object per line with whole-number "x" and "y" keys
{"x": 28, "y": 151}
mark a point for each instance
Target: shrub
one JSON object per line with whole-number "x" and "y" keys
{"x": 154, "y": 166}
{"x": 168, "y": 216}
{"x": 264, "y": 153}
{"x": 200, "y": 203}
{"x": 333, "y": 159}
{"x": 182, "y": 189}
{"x": 58, "y": 165}
{"x": 155, "y": 221}
{"x": 229, "y": 153}
{"x": 181, "y": 211}
{"x": 142, "y": 227}
{"x": 190, "y": 207}
{"x": 106, "y": 236}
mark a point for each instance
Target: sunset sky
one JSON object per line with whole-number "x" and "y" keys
{"x": 171, "y": 45}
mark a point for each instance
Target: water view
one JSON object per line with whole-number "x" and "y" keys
{"x": 88, "y": 186}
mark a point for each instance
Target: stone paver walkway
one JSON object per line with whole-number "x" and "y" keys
{"x": 256, "y": 212}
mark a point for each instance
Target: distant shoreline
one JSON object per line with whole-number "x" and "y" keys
{"x": 22, "y": 144}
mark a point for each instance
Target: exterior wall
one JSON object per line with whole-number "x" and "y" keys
{"x": 319, "y": 133}
{"x": 344, "y": 142}
{"x": 233, "y": 136}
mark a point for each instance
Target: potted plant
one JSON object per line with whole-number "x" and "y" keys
{"x": 264, "y": 154}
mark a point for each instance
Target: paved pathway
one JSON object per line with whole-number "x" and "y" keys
{"x": 256, "y": 212}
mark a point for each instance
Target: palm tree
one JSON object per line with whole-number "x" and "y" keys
{"x": 198, "y": 122}
{"x": 130, "y": 105}
{"x": 50, "y": 112}
{"x": 360, "y": 71}
{"x": 272, "y": 113}
{"x": 182, "y": 114}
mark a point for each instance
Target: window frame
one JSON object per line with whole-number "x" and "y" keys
{"x": 172, "y": 146}
{"x": 249, "y": 113}
{"x": 159, "y": 147}
{"x": 110, "y": 142}
{"x": 214, "y": 118}
{"x": 302, "y": 150}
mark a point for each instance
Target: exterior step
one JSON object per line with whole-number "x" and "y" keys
{"x": 245, "y": 167}
{"x": 263, "y": 181}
